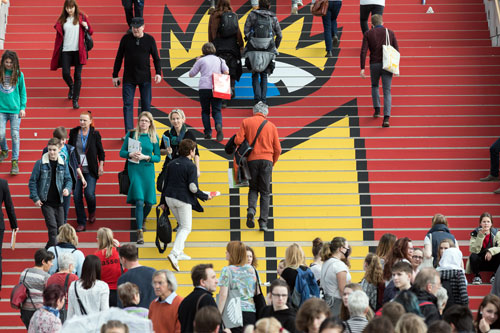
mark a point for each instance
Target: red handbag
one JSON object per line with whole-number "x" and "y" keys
{"x": 19, "y": 294}
{"x": 221, "y": 86}
{"x": 319, "y": 8}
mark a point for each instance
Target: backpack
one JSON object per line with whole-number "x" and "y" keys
{"x": 305, "y": 287}
{"x": 228, "y": 25}
{"x": 163, "y": 230}
{"x": 262, "y": 33}
{"x": 57, "y": 256}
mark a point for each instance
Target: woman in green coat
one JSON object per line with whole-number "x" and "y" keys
{"x": 141, "y": 170}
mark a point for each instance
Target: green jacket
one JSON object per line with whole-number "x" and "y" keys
{"x": 13, "y": 99}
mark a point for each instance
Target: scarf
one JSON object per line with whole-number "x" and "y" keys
{"x": 55, "y": 312}
{"x": 175, "y": 140}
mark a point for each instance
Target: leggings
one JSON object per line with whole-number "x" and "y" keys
{"x": 141, "y": 211}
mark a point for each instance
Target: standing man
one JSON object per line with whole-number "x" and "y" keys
{"x": 205, "y": 283}
{"x": 163, "y": 311}
{"x": 136, "y": 273}
{"x": 136, "y": 48}
{"x": 9, "y": 208}
{"x": 374, "y": 39}
{"x": 261, "y": 160}
{"x": 367, "y": 7}
{"x": 49, "y": 182}
{"x": 494, "y": 162}
{"x": 138, "y": 7}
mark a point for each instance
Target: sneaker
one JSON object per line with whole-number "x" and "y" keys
{"x": 250, "y": 221}
{"x": 386, "y": 122}
{"x": 300, "y": 4}
{"x": 376, "y": 114}
{"x": 173, "y": 260}
{"x": 220, "y": 135}
{"x": 3, "y": 155}
{"x": 15, "y": 168}
{"x": 295, "y": 10}
{"x": 477, "y": 280}
{"x": 183, "y": 256}
{"x": 488, "y": 178}
{"x": 263, "y": 226}
{"x": 492, "y": 280}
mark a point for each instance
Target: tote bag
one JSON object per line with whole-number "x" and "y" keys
{"x": 221, "y": 84}
{"x": 232, "y": 316}
{"x": 390, "y": 56}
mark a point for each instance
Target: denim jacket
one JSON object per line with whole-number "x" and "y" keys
{"x": 72, "y": 162}
{"x": 39, "y": 182}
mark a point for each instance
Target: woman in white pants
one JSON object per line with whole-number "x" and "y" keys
{"x": 181, "y": 194}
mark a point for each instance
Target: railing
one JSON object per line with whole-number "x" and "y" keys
{"x": 493, "y": 14}
{"x": 4, "y": 12}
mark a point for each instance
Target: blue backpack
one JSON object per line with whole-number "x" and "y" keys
{"x": 305, "y": 287}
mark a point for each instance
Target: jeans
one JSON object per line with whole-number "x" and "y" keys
{"x": 128, "y": 92}
{"x": 376, "y": 72}
{"x": 364, "y": 12}
{"x": 261, "y": 172}
{"x": 184, "y": 215}
{"x": 68, "y": 58}
{"x": 15, "y": 124}
{"x": 207, "y": 100}
{"x": 259, "y": 90}
{"x": 138, "y": 8}
{"x": 479, "y": 264}
{"x": 141, "y": 211}
{"x": 89, "y": 193}
{"x": 54, "y": 218}
{"x": 330, "y": 23}
{"x": 66, "y": 203}
{"x": 494, "y": 151}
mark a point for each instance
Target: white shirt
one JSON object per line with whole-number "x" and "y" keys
{"x": 372, "y": 2}
{"x": 71, "y": 35}
{"x": 329, "y": 272}
{"x": 95, "y": 299}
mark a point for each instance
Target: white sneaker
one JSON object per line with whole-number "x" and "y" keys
{"x": 295, "y": 10}
{"x": 300, "y": 4}
{"x": 183, "y": 256}
{"x": 173, "y": 260}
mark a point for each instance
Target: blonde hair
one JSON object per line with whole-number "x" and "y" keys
{"x": 410, "y": 323}
{"x": 294, "y": 256}
{"x": 179, "y": 112}
{"x": 265, "y": 325}
{"x": 105, "y": 240}
{"x": 67, "y": 234}
{"x": 152, "y": 128}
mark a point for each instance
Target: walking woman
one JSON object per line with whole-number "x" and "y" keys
{"x": 238, "y": 275}
{"x": 141, "y": 169}
{"x": 69, "y": 47}
{"x": 110, "y": 262}
{"x": 330, "y": 25}
{"x": 87, "y": 141}
{"x": 181, "y": 193}
{"x": 12, "y": 105}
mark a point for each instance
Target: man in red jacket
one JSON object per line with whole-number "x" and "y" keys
{"x": 373, "y": 39}
{"x": 261, "y": 160}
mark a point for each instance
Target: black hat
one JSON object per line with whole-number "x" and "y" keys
{"x": 137, "y": 22}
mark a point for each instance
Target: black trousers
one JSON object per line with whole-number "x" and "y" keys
{"x": 54, "y": 218}
{"x": 261, "y": 172}
{"x": 249, "y": 318}
{"x": 137, "y": 10}
{"x": 364, "y": 12}
{"x": 26, "y": 317}
{"x": 479, "y": 264}
{"x": 69, "y": 59}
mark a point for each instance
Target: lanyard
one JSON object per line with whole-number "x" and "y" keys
{"x": 84, "y": 139}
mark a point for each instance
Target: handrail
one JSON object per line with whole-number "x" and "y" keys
{"x": 4, "y": 13}
{"x": 492, "y": 8}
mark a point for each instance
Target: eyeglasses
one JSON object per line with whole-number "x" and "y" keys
{"x": 280, "y": 295}
{"x": 418, "y": 257}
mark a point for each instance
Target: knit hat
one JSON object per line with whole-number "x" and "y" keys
{"x": 261, "y": 107}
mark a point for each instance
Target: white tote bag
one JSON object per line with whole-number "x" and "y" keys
{"x": 390, "y": 56}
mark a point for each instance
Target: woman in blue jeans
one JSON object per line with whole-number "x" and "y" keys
{"x": 206, "y": 66}
{"x": 330, "y": 26}
{"x": 12, "y": 105}
{"x": 87, "y": 142}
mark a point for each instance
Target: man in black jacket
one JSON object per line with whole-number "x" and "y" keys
{"x": 136, "y": 48}
{"x": 9, "y": 208}
{"x": 425, "y": 287}
{"x": 205, "y": 283}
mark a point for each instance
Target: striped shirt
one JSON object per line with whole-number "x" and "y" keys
{"x": 356, "y": 324}
{"x": 35, "y": 283}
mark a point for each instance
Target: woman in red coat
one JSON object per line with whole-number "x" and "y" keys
{"x": 69, "y": 47}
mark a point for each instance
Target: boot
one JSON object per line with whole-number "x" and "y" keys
{"x": 70, "y": 92}
{"x": 140, "y": 236}
{"x": 75, "y": 103}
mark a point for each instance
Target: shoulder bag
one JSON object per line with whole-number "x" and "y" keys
{"x": 244, "y": 149}
{"x": 232, "y": 316}
{"x": 319, "y": 8}
{"x": 258, "y": 299}
{"x": 221, "y": 84}
{"x": 82, "y": 308}
{"x": 391, "y": 56}
{"x": 123, "y": 179}
{"x": 163, "y": 229}
{"x": 20, "y": 294}
{"x": 89, "y": 42}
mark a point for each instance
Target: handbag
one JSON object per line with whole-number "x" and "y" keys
{"x": 232, "y": 316}
{"x": 259, "y": 300}
{"x": 319, "y": 8}
{"x": 89, "y": 42}
{"x": 221, "y": 84}
{"x": 390, "y": 55}
{"x": 20, "y": 294}
{"x": 123, "y": 179}
{"x": 163, "y": 229}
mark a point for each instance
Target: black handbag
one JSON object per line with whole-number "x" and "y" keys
{"x": 163, "y": 229}
{"x": 123, "y": 179}
{"x": 259, "y": 300}
{"x": 89, "y": 42}
{"x": 244, "y": 149}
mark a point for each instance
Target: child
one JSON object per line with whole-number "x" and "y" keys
{"x": 401, "y": 275}
{"x": 49, "y": 183}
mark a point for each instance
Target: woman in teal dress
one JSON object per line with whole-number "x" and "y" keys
{"x": 142, "y": 191}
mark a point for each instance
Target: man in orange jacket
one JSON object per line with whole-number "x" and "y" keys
{"x": 261, "y": 160}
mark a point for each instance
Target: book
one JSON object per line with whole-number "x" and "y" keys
{"x": 13, "y": 240}
{"x": 134, "y": 146}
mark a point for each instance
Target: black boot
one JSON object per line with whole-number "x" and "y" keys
{"x": 75, "y": 103}
{"x": 70, "y": 92}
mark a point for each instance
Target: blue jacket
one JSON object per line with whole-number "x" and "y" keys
{"x": 39, "y": 182}
{"x": 72, "y": 163}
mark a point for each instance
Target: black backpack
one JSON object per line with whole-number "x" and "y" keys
{"x": 261, "y": 37}
{"x": 228, "y": 25}
{"x": 163, "y": 229}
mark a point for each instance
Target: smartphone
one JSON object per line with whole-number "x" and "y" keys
{"x": 118, "y": 83}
